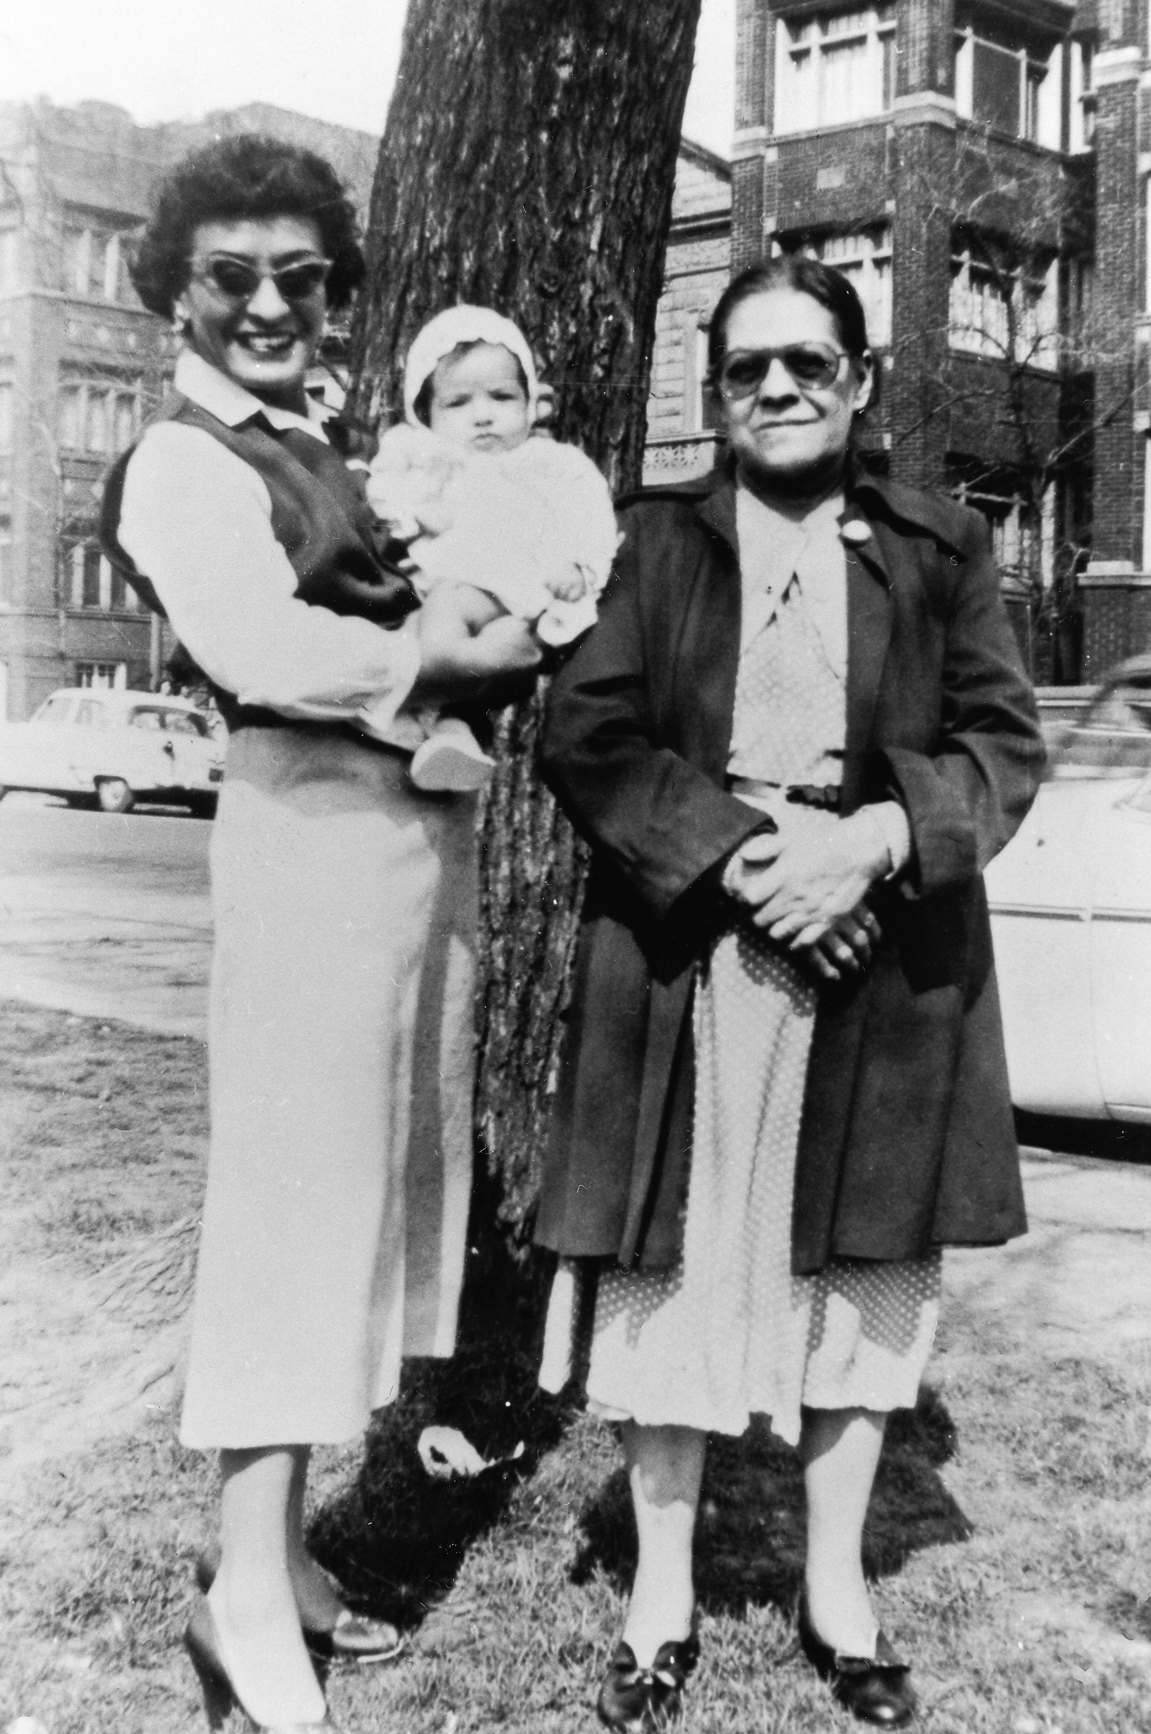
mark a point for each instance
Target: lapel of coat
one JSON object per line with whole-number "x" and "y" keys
{"x": 868, "y": 637}
{"x": 710, "y": 643}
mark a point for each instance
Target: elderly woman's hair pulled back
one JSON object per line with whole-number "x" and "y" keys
{"x": 830, "y": 288}
{"x": 248, "y": 177}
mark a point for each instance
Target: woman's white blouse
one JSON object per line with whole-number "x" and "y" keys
{"x": 198, "y": 520}
{"x": 775, "y": 550}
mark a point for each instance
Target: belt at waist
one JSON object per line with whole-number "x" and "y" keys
{"x": 825, "y": 795}
{"x": 241, "y": 716}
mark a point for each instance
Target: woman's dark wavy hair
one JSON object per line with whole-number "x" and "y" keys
{"x": 809, "y": 277}
{"x": 249, "y": 176}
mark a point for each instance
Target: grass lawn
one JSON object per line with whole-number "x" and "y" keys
{"x": 1010, "y": 1535}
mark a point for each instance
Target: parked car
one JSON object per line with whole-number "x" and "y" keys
{"x": 1071, "y": 915}
{"x": 112, "y": 748}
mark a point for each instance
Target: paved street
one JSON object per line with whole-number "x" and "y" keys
{"x": 105, "y": 915}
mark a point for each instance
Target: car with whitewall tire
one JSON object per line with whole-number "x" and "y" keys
{"x": 111, "y": 748}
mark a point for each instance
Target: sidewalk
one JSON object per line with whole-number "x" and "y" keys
{"x": 1082, "y": 1276}
{"x": 108, "y": 954}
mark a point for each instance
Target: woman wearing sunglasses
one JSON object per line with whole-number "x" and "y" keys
{"x": 344, "y": 903}
{"x": 797, "y": 734}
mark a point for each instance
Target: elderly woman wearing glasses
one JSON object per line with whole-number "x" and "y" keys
{"x": 794, "y": 739}
{"x": 344, "y": 901}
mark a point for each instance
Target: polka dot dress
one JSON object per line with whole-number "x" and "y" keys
{"x": 731, "y": 1332}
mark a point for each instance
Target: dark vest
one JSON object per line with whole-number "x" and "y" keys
{"x": 320, "y": 517}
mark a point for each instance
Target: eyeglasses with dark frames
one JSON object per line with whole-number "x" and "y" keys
{"x": 238, "y": 279}
{"x": 812, "y": 367}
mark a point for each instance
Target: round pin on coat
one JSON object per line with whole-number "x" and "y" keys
{"x": 855, "y": 531}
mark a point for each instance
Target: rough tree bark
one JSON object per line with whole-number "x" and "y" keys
{"x": 528, "y": 165}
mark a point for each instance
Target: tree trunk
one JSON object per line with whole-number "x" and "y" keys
{"x": 528, "y": 165}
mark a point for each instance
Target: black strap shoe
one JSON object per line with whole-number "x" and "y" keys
{"x": 876, "y": 1689}
{"x": 646, "y": 1700}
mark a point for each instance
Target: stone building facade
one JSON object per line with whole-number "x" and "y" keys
{"x": 679, "y": 414}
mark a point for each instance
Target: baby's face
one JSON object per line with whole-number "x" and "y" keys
{"x": 479, "y": 401}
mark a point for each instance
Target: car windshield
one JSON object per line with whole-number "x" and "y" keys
{"x": 145, "y": 719}
{"x": 1112, "y": 738}
{"x": 56, "y": 709}
{"x": 184, "y": 722}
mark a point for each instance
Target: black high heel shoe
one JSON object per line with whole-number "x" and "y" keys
{"x": 220, "y": 1695}
{"x": 353, "y": 1638}
{"x": 876, "y": 1689}
{"x": 646, "y": 1700}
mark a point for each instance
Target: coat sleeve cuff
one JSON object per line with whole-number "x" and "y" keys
{"x": 940, "y": 832}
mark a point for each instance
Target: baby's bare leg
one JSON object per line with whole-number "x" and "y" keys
{"x": 476, "y": 607}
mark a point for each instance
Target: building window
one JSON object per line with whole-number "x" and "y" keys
{"x": 85, "y": 562}
{"x": 838, "y": 66}
{"x": 1022, "y": 548}
{"x": 94, "y": 265}
{"x": 7, "y": 577}
{"x": 1007, "y": 82}
{"x": 102, "y": 675}
{"x": 102, "y": 419}
{"x": 1081, "y": 307}
{"x": 1082, "y": 116}
{"x": 93, "y": 582}
{"x": 702, "y": 408}
{"x": 1002, "y": 309}
{"x": 6, "y": 408}
{"x": 865, "y": 258}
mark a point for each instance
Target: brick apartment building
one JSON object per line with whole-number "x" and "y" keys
{"x": 983, "y": 171}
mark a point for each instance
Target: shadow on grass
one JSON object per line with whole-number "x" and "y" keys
{"x": 397, "y": 1538}
{"x": 750, "y": 1541}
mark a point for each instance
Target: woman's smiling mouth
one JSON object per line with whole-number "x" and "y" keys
{"x": 269, "y": 343}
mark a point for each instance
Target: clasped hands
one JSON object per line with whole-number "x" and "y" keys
{"x": 806, "y": 889}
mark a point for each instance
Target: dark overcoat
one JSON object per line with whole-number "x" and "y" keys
{"x": 906, "y": 1140}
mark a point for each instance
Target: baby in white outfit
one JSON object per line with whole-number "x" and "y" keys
{"x": 525, "y": 524}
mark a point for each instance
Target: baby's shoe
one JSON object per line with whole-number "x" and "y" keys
{"x": 451, "y": 760}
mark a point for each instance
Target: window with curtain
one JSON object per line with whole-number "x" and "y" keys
{"x": 1020, "y": 546}
{"x": 865, "y": 258}
{"x": 1005, "y": 312}
{"x": 838, "y": 66}
{"x": 91, "y": 580}
{"x": 101, "y": 675}
{"x": 98, "y": 417}
{"x": 1082, "y": 116}
{"x": 93, "y": 263}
